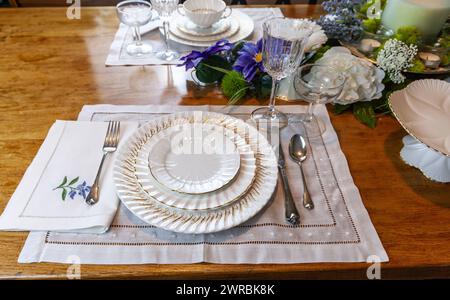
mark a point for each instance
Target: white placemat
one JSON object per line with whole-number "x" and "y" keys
{"x": 337, "y": 230}
{"x": 118, "y": 57}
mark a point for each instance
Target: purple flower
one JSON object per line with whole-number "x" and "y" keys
{"x": 82, "y": 189}
{"x": 249, "y": 60}
{"x": 195, "y": 57}
{"x": 342, "y": 21}
{"x": 72, "y": 194}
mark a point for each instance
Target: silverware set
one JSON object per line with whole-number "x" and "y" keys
{"x": 298, "y": 153}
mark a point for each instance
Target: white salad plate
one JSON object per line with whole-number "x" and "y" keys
{"x": 219, "y": 198}
{"x": 423, "y": 109}
{"x": 132, "y": 194}
{"x": 188, "y": 27}
{"x": 193, "y": 158}
{"x": 241, "y": 26}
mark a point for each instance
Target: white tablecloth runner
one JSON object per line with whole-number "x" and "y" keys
{"x": 118, "y": 57}
{"x": 337, "y": 230}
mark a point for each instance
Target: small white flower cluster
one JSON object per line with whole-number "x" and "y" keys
{"x": 396, "y": 57}
{"x": 363, "y": 80}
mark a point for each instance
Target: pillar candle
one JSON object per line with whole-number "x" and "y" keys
{"x": 428, "y": 16}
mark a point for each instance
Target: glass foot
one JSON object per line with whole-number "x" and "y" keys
{"x": 139, "y": 49}
{"x": 274, "y": 117}
{"x": 315, "y": 126}
{"x": 168, "y": 55}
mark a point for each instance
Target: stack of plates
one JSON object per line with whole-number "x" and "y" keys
{"x": 235, "y": 28}
{"x": 196, "y": 172}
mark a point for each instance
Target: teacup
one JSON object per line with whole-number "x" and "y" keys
{"x": 204, "y": 13}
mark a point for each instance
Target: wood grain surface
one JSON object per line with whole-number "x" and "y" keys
{"x": 51, "y": 66}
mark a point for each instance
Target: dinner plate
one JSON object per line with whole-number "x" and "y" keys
{"x": 423, "y": 109}
{"x": 193, "y": 158}
{"x": 188, "y": 27}
{"x": 224, "y": 196}
{"x": 244, "y": 23}
{"x": 153, "y": 212}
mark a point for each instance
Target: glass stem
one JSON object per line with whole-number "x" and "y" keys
{"x": 310, "y": 112}
{"x": 273, "y": 95}
{"x": 137, "y": 35}
{"x": 166, "y": 35}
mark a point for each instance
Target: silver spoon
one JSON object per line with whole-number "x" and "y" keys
{"x": 297, "y": 151}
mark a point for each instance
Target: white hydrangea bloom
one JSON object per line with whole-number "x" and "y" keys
{"x": 363, "y": 80}
{"x": 396, "y": 57}
{"x": 318, "y": 36}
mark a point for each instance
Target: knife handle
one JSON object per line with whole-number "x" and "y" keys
{"x": 292, "y": 215}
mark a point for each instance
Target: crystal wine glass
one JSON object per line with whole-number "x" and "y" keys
{"x": 284, "y": 42}
{"x": 318, "y": 84}
{"x": 165, "y": 9}
{"x": 135, "y": 13}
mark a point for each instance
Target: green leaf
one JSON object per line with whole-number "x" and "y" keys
{"x": 64, "y": 194}
{"x": 319, "y": 53}
{"x": 364, "y": 112}
{"x": 263, "y": 87}
{"x": 62, "y": 183}
{"x": 73, "y": 181}
{"x": 340, "y": 108}
{"x": 206, "y": 74}
{"x": 234, "y": 86}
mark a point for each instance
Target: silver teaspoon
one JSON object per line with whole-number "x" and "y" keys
{"x": 297, "y": 151}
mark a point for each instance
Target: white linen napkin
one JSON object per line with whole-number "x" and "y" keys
{"x": 51, "y": 195}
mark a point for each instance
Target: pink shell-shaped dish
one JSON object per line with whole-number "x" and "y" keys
{"x": 423, "y": 109}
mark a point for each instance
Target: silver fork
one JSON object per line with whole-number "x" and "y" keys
{"x": 109, "y": 145}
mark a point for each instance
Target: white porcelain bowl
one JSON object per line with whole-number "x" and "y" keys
{"x": 204, "y": 13}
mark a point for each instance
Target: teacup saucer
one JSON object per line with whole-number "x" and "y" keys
{"x": 188, "y": 27}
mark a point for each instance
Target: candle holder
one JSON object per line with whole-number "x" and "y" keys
{"x": 370, "y": 42}
{"x": 432, "y": 56}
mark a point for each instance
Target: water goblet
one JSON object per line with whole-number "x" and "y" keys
{"x": 135, "y": 13}
{"x": 165, "y": 9}
{"x": 284, "y": 42}
{"x": 317, "y": 84}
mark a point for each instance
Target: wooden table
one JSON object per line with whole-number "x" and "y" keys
{"x": 51, "y": 66}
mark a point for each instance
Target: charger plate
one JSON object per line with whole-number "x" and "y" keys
{"x": 153, "y": 212}
{"x": 223, "y": 196}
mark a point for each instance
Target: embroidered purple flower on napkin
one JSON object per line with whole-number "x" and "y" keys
{"x": 68, "y": 188}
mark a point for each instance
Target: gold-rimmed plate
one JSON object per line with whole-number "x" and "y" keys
{"x": 213, "y": 200}
{"x": 153, "y": 212}
{"x": 423, "y": 110}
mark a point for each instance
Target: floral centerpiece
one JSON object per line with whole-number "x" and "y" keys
{"x": 238, "y": 68}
